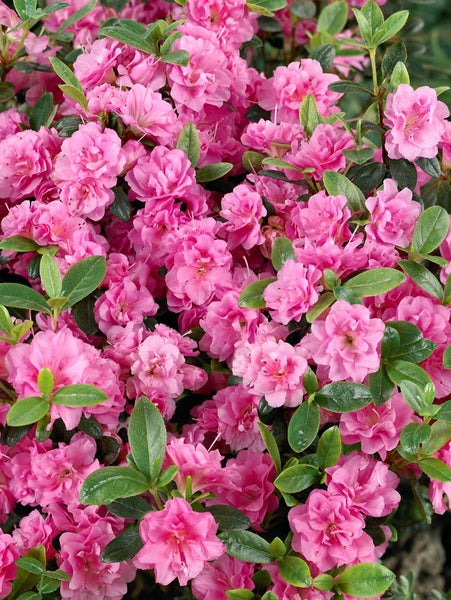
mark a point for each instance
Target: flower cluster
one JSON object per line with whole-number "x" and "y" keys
{"x": 224, "y": 304}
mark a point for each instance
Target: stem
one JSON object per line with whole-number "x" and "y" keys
{"x": 372, "y": 52}
{"x": 10, "y": 393}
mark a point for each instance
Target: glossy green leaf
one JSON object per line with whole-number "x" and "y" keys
{"x": 392, "y": 25}
{"x": 25, "y": 8}
{"x": 252, "y": 161}
{"x": 333, "y": 18}
{"x": 401, "y": 370}
{"x": 380, "y": 385}
{"x": 410, "y": 346}
{"x": 444, "y": 412}
{"x": 79, "y": 394}
{"x": 6, "y": 324}
{"x": 229, "y": 518}
{"x": 110, "y": 483}
{"x": 397, "y": 52}
{"x": 324, "y": 301}
{"x": 31, "y": 565}
{"x": 167, "y": 475}
{"x": 19, "y": 243}
{"x": 365, "y": 580}
{"x": 436, "y": 469}
{"x": 369, "y": 176}
{"x": 121, "y": 206}
{"x": 128, "y": 32}
{"x": 308, "y": 114}
{"x": 303, "y": 426}
{"x": 440, "y": 436}
{"x": 246, "y": 546}
{"x": 430, "y": 230}
{"x": 50, "y": 276}
{"x": 324, "y": 54}
{"x": 423, "y": 277}
{"x": 296, "y": 478}
{"x": 147, "y": 438}
{"x": 375, "y": 281}
{"x": 295, "y": 571}
{"x": 413, "y": 435}
{"x": 413, "y": 395}
{"x": 27, "y": 411}
{"x": 431, "y": 166}
{"x": 329, "y": 447}
{"x": 271, "y": 445}
{"x": 282, "y": 250}
{"x": 336, "y": 184}
{"x": 213, "y": 172}
{"x": 123, "y": 547}
{"x": 129, "y": 508}
{"x": 323, "y": 582}
{"x": 252, "y": 295}
{"x": 343, "y": 396}
{"x": 83, "y": 278}
{"x": 240, "y": 594}
{"x": 189, "y": 142}
{"x": 17, "y": 295}
{"x": 265, "y": 7}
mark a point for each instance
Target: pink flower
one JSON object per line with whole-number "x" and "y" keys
{"x": 393, "y": 215}
{"x": 328, "y": 533}
{"x": 86, "y": 198}
{"x": 377, "y": 428}
{"x": 8, "y": 567}
{"x": 346, "y": 342}
{"x": 34, "y": 530}
{"x": 294, "y": 292}
{"x": 416, "y": 122}
{"x": 440, "y": 491}
{"x": 225, "y": 573}
{"x": 242, "y": 209}
{"x": 177, "y": 542}
{"x": 367, "y": 484}
{"x": 229, "y": 20}
{"x": 272, "y": 369}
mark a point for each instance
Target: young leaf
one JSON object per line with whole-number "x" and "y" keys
{"x": 423, "y": 277}
{"x": 392, "y": 25}
{"x": 295, "y": 571}
{"x": 413, "y": 395}
{"x": 413, "y": 435}
{"x": 79, "y": 394}
{"x": 147, "y": 438}
{"x": 365, "y": 580}
{"x": 30, "y": 564}
{"x": 343, "y": 396}
{"x": 27, "y": 411}
{"x": 333, "y": 18}
{"x": 436, "y": 469}
{"x": 83, "y": 278}
{"x": 246, "y": 546}
{"x": 303, "y": 426}
{"x": 25, "y": 580}
{"x": 65, "y": 73}
{"x": 110, "y": 483}
{"x": 296, "y": 478}
{"x": 324, "y": 301}
{"x": 375, "y": 281}
{"x": 213, "y": 172}
{"x": 271, "y": 445}
{"x": 430, "y": 230}
{"x": 189, "y": 142}
{"x": 17, "y": 295}
{"x": 128, "y": 32}
{"x": 229, "y": 518}
{"x": 265, "y": 7}
{"x": 50, "y": 276}
{"x": 252, "y": 295}
{"x": 123, "y": 547}
{"x": 6, "y": 324}
{"x": 308, "y": 115}
{"x": 336, "y": 183}
{"x": 329, "y": 447}
{"x": 282, "y": 250}
{"x": 46, "y": 381}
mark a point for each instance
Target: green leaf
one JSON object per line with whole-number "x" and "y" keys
{"x": 336, "y": 183}
{"x": 303, "y": 426}
{"x": 83, "y": 278}
{"x": 347, "y": 294}
{"x": 123, "y": 547}
{"x": 129, "y": 508}
{"x": 410, "y": 346}
{"x": 83, "y": 313}
{"x": 381, "y": 386}
{"x": 324, "y": 301}
{"x": 110, "y": 483}
{"x": 392, "y": 25}
{"x": 437, "y": 192}
{"x": 65, "y": 73}
{"x": 128, "y": 32}
{"x": 50, "y": 276}
{"x": 265, "y": 7}
{"x": 246, "y": 546}
{"x": 397, "y": 52}
{"x": 364, "y": 25}
{"x": 323, "y": 582}
{"x": 404, "y": 173}
{"x": 401, "y": 370}
{"x": 31, "y": 565}
{"x": 303, "y": 9}
{"x": 91, "y": 427}
{"x": 27, "y": 411}
{"x": 375, "y": 281}
{"x": 369, "y": 176}
{"x": 423, "y": 277}
{"x": 41, "y": 111}
{"x": 147, "y": 438}
{"x": 213, "y": 172}
{"x": 229, "y": 518}
{"x": 25, "y": 8}
{"x": 359, "y": 156}
{"x": 447, "y": 357}
{"x": 413, "y": 395}
{"x": 271, "y": 445}
{"x": 440, "y": 435}
{"x": 436, "y": 469}
{"x": 431, "y": 166}
{"x": 166, "y": 476}
{"x": 252, "y": 295}
{"x": 6, "y": 324}
{"x": 75, "y": 94}
{"x": 252, "y": 161}
{"x": 77, "y": 16}
{"x": 430, "y": 230}
{"x": 121, "y": 206}
{"x": 19, "y": 243}
{"x": 282, "y": 250}
{"x": 329, "y": 447}
{"x": 296, "y": 478}
{"x": 79, "y": 394}
{"x": 348, "y": 87}
{"x": 413, "y": 435}
{"x": 343, "y": 396}
{"x": 308, "y": 115}
{"x": 240, "y": 594}
{"x": 445, "y": 411}
{"x": 333, "y": 18}
{"x": 324, "y": 54}
{"x": 189, "y": 142}
{"x": 24, "y": 580}
{"x": 17, "y": 295}
{"x": 295, "y": 571}
{"x": 46, "y": 381}
{"x": 365, "y": 580}
{"x": 58, "y": 574}
{"x": 178, "y": 57}
{"x": 47, "y": 585}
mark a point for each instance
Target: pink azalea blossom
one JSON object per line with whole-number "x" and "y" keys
{"x": 8, "y": 568}
{"x": 242, "y": 209}
{"x": 219, "y": 576}
{"x": 35, "y": 530}
{"x": 416, "y": 122}
{"x": 440, "y": 491}
{"x": 177, "y": 542}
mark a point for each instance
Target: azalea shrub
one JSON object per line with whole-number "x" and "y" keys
{"x": 225, "y": 365}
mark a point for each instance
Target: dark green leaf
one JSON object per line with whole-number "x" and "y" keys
{"x": 381, "y": 387}
{"x": 365, "y": 580}
{"x": 189, "y": 142}
{"x": 26, "y": 411}
{"x": 116, "y": 5}
{"x": 90, "y": 426}
{"x": 83, "y": 278}
{"x": 336, "y": 183}
{"x": 110, "y": 483}
{"x": 121, "y": 206}
{"x": 343, "y": 396}
{"x": 431, "y": 166}
{"x": 430, "y": 230}
{"x": 296, "y": 478}
{"x": 395, "y": 53}
{"x": 67, "y": 126}
{"x": 271, "y": 445}
{"x": 252, "y": 295}
{"x": 325, "y": 300}
{"x": 129, "y": 508}
{"x": 41, "y": 111}
{"x": 404, "y": 173}
{"x": 410, "y": 344}
{"x": 329, "y": 447}
{"x": 437, "y": 192}
{"x": 17, "y": 295}
{"x": 324, "y": 54}
{"x": 348, "y": 87}
{"x": 123, "y": 547}
{"x": 147, "y": 438}
{"x": 229, "y": 518}
{"x": 303, "y": 9}
{"x": 333, "y": 18}
{"x": 436, "y": 469}
{"x": 369, "y": 176}
{"x": 6, "y": 92}
{"x": 295, "y": 571}
{"x": 282, "y": 250}
{"x": 423, "y": 277}
{"x": 375, "y": 281}
{"x": 130, "y": 33}
{"x": 83, "y": 313}
{"x": 303, "y": 426}
{"x": 79, "y": 394}
{"x": 58, "y": 574}
{"x": 213, "y": 172}
{"x": 246, "y": 546}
